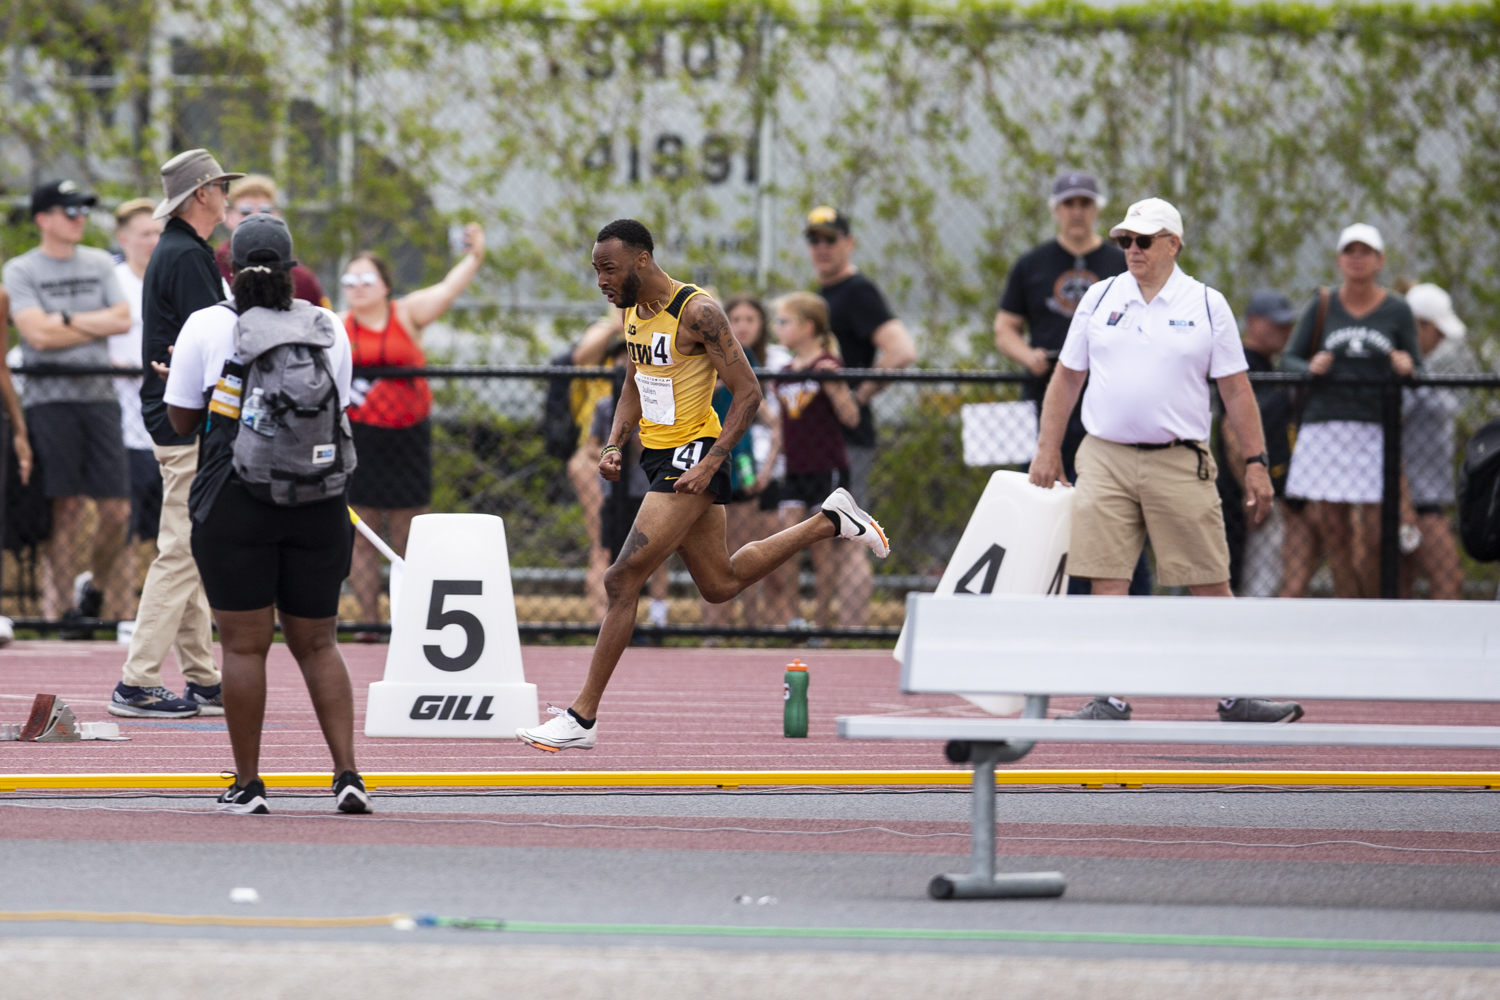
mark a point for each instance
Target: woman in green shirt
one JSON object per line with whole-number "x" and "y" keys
{"x": 1338, "y": 464}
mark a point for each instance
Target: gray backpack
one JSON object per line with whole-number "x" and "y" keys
{"x": 294, "y": 444}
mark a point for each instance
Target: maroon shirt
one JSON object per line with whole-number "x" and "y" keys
{"x": 811, "y": 435}
{"x": 305, "y": 284}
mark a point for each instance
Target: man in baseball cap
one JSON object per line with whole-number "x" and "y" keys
{"x": 870, "y": 335}
{"x": 61, "y": 194}
{"x": 181, "y": 279}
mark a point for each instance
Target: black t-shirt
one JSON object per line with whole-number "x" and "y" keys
{"x": 181, "y": 279}
{"x": 856, "y": 309}
{"x": 1045, "y": 286}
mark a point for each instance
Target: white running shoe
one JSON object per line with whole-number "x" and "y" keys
{"x": 559, "y": 733}
{"x": 856, "y": 524}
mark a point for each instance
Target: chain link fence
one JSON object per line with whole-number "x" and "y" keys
{"x": 941, "y": 435}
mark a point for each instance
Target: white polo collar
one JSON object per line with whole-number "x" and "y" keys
{"x": 1175, "y": 283}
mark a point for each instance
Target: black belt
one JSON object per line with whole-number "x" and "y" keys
{"x": 1202, "y": 453}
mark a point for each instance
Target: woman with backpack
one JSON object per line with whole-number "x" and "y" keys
{"x": 391, "y": 416}
{"x": 264, "y": 381}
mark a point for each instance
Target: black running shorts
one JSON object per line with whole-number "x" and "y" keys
{"x": 664, "y": 466}
{"x": 252, "y": 555}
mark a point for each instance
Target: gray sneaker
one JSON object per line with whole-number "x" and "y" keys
{"x": 1258, "y": 710}
{"x": 1102, "y": 707}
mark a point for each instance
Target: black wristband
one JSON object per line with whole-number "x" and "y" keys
{"x": 67, "y": 317}
{"x": 1261, "y": 459}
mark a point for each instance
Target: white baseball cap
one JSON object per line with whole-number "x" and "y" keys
{"x": 1362, "y": 232}
{"x": 1149, "y": 217}
{"x": 1431, "y": 303}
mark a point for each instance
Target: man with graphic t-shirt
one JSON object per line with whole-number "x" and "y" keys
{"x": 1044, "y": 288}
{"x": 869, "y": 336}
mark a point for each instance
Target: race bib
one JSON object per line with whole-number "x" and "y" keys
{"x": 658, "y": 405}
{"x": 225, "y": 400}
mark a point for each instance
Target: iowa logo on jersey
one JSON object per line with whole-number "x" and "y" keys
{"x": 658, "y": 352}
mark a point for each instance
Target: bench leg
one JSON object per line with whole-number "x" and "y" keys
{"x": 981, "y": 882}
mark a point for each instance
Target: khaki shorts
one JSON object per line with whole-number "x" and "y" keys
{"x": 1124, "y": 494}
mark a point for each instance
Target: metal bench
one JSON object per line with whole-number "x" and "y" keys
{"x": 1176, "y": 647}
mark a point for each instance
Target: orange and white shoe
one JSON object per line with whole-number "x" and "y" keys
{"x": 855, "y": 524}
{"x": 561, "y": 732}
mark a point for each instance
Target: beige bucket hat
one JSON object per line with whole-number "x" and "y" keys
{"x": 185, "y": 173}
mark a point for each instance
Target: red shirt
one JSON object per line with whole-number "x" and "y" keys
{"x": 388, "y": 402}
{"x": 305, "y": 284}
{"x": 811, "y": 435}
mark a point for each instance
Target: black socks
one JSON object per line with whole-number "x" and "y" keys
{"x": 585, "y": 723}
{"x": 838, "y": 526}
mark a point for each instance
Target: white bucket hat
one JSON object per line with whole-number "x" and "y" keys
{"x": 1149, "y": 217}
{"x": 1431, "y": 303}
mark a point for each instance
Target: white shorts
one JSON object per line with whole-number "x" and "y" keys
{"x": 1342, "y": 461}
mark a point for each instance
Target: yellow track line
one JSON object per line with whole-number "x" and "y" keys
{"x": 192, "y": 920}
{"x": 736, "y": 779}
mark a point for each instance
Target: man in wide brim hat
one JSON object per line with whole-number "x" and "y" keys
{"x": 185, "y": 173}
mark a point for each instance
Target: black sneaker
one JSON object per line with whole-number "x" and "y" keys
{"x": 249, "y": 800}
{"x": 349, "y": 794}
{"x": 1111, "y": 708}
{"x": 149, "y": 703}
{"x": 210, "y": 700}
{"x": 1258, "y": 710}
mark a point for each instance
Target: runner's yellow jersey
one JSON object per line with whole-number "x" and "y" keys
{"x": 677, "y": 390}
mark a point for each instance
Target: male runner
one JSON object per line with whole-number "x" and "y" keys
{"x": 679, "y": 341}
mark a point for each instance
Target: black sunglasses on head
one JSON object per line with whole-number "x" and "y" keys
{"x": 1144, "y": 242}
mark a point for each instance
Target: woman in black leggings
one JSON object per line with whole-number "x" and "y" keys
{"x": 257, "y": 559}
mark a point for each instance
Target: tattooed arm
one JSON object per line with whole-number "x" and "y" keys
{"x": 627, "y": 416}
{"x": 703, "y": 322}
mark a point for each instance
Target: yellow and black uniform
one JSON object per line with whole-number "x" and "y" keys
{"x": 678, "y": 422}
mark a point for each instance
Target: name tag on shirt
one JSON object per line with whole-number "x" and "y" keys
{"x": 225, "y": 400}
{"x": 658, "y": 404}
{"x": 1115, "y": 317}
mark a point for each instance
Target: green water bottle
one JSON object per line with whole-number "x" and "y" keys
{"x": 744, "y": 472}
{"x": 794, "y": 694}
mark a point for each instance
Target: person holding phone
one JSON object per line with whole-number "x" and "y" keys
{"x": 391, "y": 416}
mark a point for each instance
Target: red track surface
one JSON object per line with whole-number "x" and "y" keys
{"x": 667, "y": 709}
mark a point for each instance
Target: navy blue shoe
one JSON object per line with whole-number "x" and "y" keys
{"x": 150, "y": 703}
{"x": 210, "y": 700}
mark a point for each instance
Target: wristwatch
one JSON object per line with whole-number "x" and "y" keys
{"x": 67, "y": 317}
{"x": 1261, "y": 459}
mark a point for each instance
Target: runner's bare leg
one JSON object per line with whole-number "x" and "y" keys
{"x": 693, "y": 526}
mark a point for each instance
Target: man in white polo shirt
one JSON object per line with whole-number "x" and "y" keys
{"x": 1148, "y": 341}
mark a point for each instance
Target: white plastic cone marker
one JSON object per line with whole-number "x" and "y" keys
{"x": 453, "y": 668}
{"x": 1016, "y": 543}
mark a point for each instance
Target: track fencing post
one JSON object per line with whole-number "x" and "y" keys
{"x": 1390, "y": 498}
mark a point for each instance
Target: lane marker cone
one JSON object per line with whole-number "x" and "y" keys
{"x": 1016, "y": 542}
{"x": 453, "y": 668}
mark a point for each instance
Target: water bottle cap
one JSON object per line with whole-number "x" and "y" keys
{"x": 796, "y": 664}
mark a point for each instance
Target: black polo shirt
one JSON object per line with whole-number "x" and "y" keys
{"x": 181, "y": 279}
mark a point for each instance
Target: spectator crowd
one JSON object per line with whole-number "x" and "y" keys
{"x": 1286, "y": 476}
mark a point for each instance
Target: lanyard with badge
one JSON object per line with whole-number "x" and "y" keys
{"x": 227, "y": 393}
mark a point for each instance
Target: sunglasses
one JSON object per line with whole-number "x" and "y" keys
{"x": 250, "y": 208}
{"x": 72, "y": 211}
{"x": 821, "y": 239}
{"x": 1144, "y": 242}
{"x": 366, "y": 278}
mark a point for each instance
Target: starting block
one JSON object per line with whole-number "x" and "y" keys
{"x": 52, "y": 721}
{"x": 453, "y": 668}
{"x": 1016, "y": 542}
